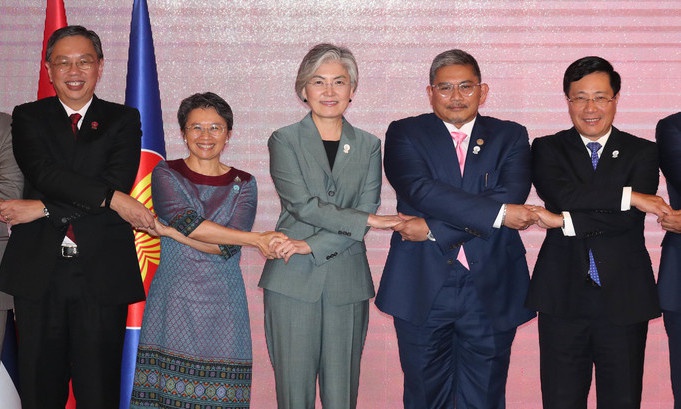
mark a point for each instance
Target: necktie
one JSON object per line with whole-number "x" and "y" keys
{"x": 594, "y": 147}
{"x": 74, "y": 127}
{"x": 461, "y": 155}
{"x": 460, "y": 152}
{"x": 74, "y": 122}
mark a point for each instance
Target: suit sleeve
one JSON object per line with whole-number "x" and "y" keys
{"x": 409, "y": 171}
{"x": 85, "y": 192}
{"x": 668, "y": 137}
{"x": 305, "y": 207}
{"x": 11, "y": 179}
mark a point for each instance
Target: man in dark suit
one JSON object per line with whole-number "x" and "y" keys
{"x": 668, "y": 136}
{"x": 593, "y": 282}
{"x": 70, "y": 262}
{"x": 456, "y": 274}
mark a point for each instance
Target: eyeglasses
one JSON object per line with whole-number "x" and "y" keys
{"x": 83, "y": 64}
{"x": 581, "y": 102}
{"x": 321, "y": 84}
{"x": 197, "y": 130}
{"x": 446, "y": 89}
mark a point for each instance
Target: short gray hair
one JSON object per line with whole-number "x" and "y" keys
{"x": 321, "y": 54}
{"x": 454, "y": 57}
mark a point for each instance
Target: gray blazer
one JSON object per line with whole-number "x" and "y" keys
{"x": 11, "y": 186}
{"x": 329, "y": 210}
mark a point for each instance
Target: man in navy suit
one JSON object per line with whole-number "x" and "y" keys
{"x": 593, "y": 282}
{"x": 456, "y": 275}
{"x": 668, "y": 136}
{"x": 70, "y": 262}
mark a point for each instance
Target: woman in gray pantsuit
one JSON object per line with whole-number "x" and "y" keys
{"x": 328, "y": 177}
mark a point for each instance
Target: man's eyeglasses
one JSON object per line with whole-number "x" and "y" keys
{"x": 581, "y": 102}
{"x": 446, "y": 89}
{"x": 83, "y": 64}
{"x": 197, "y": 130}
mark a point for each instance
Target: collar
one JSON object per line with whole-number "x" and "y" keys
{"x": 81, "y": 111}
{"x": 466, "y": 128}
{"x": 602, "y": 140}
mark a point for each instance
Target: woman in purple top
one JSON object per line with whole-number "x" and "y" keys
{"x": 195, "y": 345}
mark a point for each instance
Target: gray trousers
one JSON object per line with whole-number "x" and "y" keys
{"x": 307, "y": 341}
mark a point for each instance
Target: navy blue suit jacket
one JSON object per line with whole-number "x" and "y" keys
{"x": 421, "y": 165}
{"x": 668, "y": 136}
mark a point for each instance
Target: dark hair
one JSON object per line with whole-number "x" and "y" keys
{"x": 588, "y": 65}
{"x": 453, "y": 57}
{"x": 205, "y": 100}
{"x": 70, "y": 31}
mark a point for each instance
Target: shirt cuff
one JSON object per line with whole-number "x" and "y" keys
{"x": 500, "y": 217}
{"x": 568, "y": 228}
{"x": 626, "y": 199}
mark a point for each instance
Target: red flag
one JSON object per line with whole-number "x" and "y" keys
{"x": 55, "y": 18}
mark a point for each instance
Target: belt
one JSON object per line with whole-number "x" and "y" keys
{"x": 69, "y": 251}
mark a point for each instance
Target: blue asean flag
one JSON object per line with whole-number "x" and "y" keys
{"x": 142, "y": 92}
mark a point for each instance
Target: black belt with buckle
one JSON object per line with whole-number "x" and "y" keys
{"x": 69, "y": 251}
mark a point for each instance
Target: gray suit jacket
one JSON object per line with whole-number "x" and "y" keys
{"x": 329, "y": 210}
{"x": 11, "y": 185}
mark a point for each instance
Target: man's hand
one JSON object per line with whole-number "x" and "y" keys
{"x": 547, "y": 220}
{"x": 519, "y": 217}
{"x": 671, "y": 222}
{"x": 650, "y": 204}
{"x": 412, "y": 228}
{"x": 18, "y": 211}
{"x": 132, "y": 211}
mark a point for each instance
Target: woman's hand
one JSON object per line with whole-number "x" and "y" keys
{"x": 267, "y": 241}
{"x": 289, "y": 247}
{"x": 384, "y": 222}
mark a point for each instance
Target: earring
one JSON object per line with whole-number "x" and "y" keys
{"x": 305, "y": 100}
{"x": 350, "y": 100}
{"x": 185, "y": 140}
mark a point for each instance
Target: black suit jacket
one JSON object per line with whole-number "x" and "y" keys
{"x": 565, "y": 180}
{"x": 72, "y": 178}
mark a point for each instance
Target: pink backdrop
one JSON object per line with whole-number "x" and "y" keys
{"x": 248, "y": 52}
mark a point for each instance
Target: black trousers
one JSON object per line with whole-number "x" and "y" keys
{"x": 68, "y": 335}
{"x": 571, "y": 347}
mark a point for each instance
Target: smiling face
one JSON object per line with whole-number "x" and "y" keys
{"x": 590, "y": 120}
{"x": 204, "y": 145}
{"x": 456, "y": 109}
{"x": 331, "y": 100}
{"x": 74, "y": 86}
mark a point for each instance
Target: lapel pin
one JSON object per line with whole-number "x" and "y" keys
{"x": 476, "y": 149}
{"x": 480, "y": 141}
{"x": 237, "y": 179}
{"x": 346, "y": 148}
{"x": 94, "y": 126}
{"x": 615, "y": 154}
